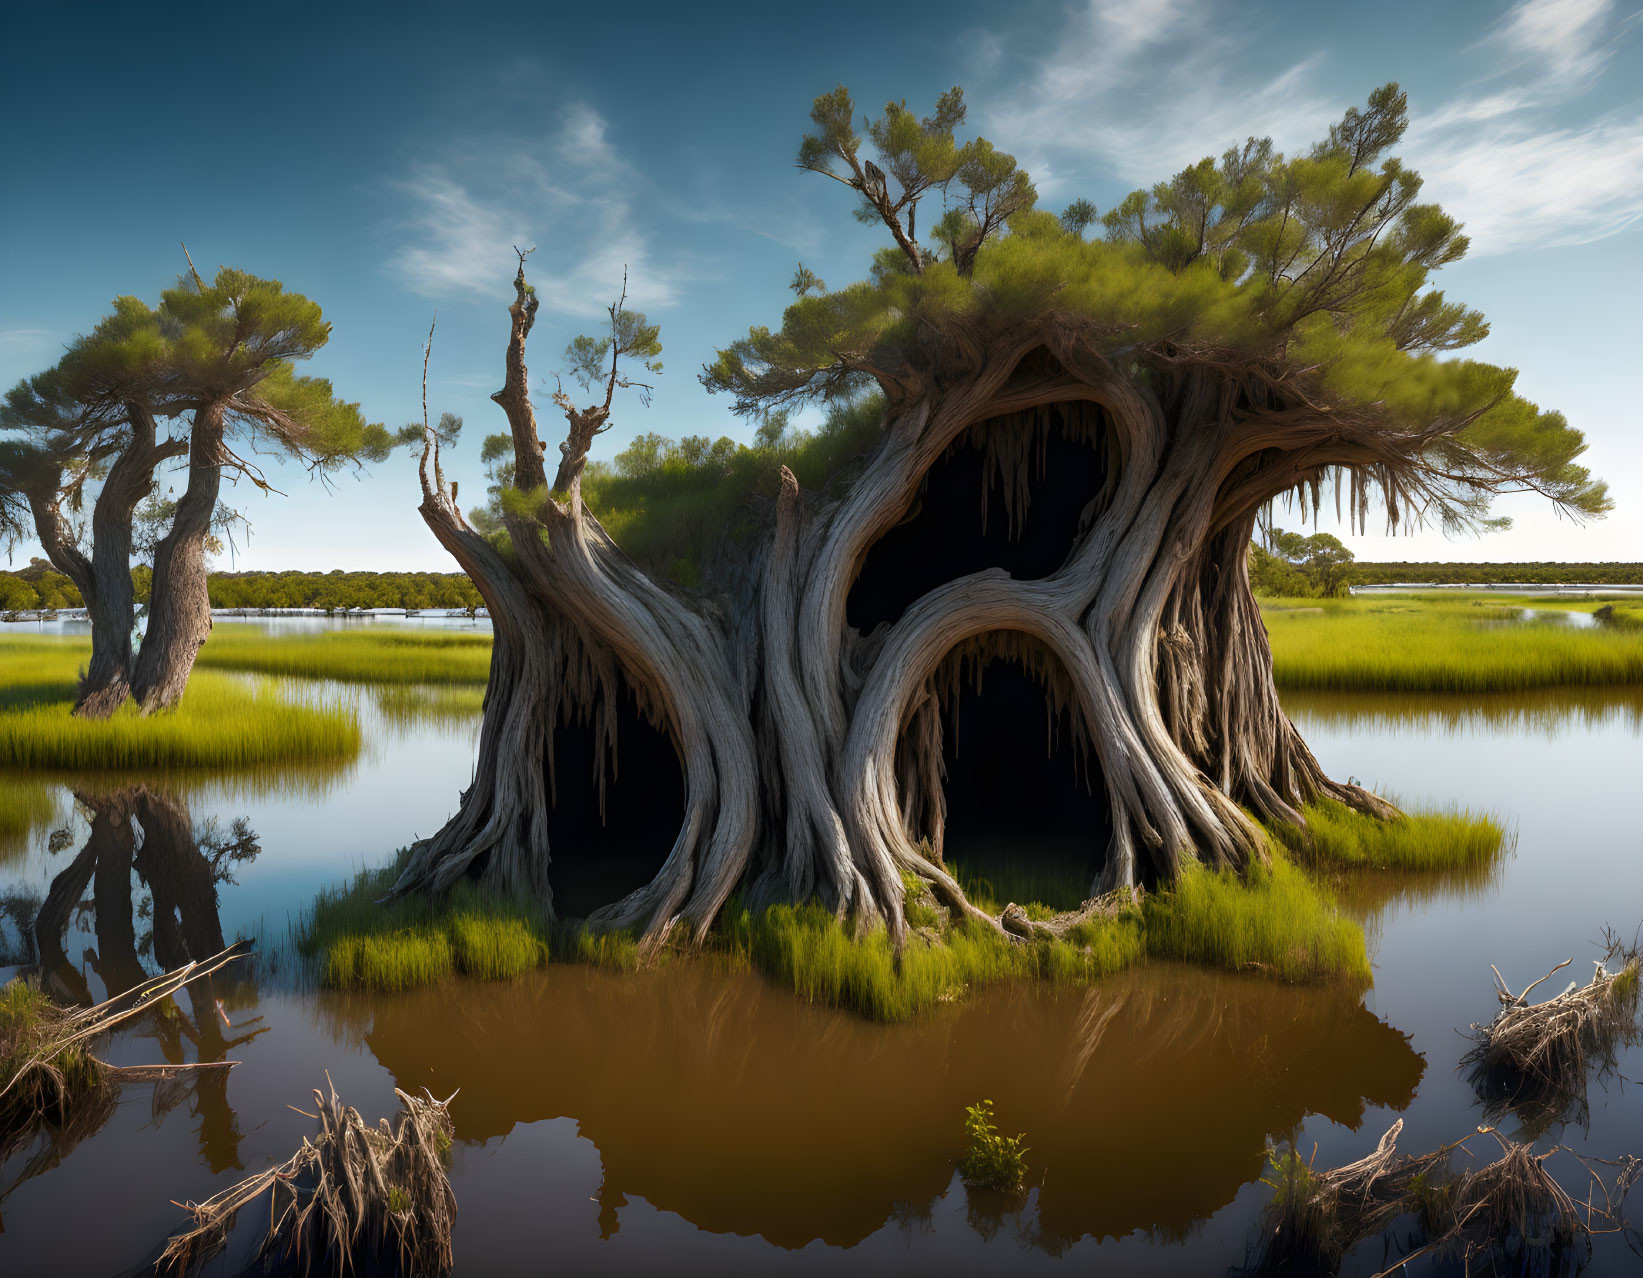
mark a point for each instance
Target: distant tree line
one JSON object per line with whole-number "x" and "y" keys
{"x": 336, "y": 590}
{"x": 39, "y": 586}
{"x": 1549, "y": 574}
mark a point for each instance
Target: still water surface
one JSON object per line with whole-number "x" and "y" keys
{"x": 698, "y": 1120}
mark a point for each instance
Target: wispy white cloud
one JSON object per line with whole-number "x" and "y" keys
{"x": 572, "y": 195}
{"x": 1139, "y": 90}
{"x": 1500, "y": 160}
{"x": 1517, "y": 187}
{"x": 1570, "y": 38}
{"x": 1135, "y": 91}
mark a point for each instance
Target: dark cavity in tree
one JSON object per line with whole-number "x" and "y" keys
{"x": 973, "y": 511}
{"x": 602, "y": 848}
{"x": 1027, "y": 808}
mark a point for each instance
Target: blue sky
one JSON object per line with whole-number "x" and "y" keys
{"x": 382, "y": 160}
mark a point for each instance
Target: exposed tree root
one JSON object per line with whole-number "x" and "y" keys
{"x": 1536, "y": 1060}
{"x": 358, "y": 1198}
{"x": 1511, "y": 1213}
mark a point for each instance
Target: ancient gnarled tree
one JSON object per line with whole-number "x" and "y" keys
{"x": 1255, "y": 326}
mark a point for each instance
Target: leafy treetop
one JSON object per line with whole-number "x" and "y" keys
{"x": 228, "y": 347}
{"x": 1306, "y": 276}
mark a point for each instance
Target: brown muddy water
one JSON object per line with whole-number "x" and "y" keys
{"x": 696, "y": 1120}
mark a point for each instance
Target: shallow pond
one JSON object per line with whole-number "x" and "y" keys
{"x": 701, "y": 1120}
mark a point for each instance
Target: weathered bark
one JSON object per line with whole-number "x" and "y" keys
{"x": 179, "y": 614}
{"x": 112, "y": 605}
{"x": 812, "y": 753}
{"x": 104, "y": 577}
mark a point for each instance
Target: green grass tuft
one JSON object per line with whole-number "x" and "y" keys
{"x": 219, "y": 723}
{"x": 1421, "y": 643}
{"x": 363, "y": 944}
{"x": 616, "y": 950}
{"x": 494, "y": 948}
{"x": 388, "y": 963}
{"x": 32, "y": 1025}
{"x": 1275, "y": 920}
{"x": 1338, "y": 837}
{"x": 1621, "y": 616}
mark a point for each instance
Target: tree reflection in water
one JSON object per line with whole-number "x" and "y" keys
{"x": 1148, "y": 1100}
{"x": 145, "y": 836}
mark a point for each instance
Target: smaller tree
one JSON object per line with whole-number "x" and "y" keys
{"x": 1296, "y": 565}
{"x": 592, "y": 361}
{"x": 631, "y": 337}
{"x": 215, "y": 363}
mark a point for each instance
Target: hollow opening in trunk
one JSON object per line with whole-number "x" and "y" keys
{"x": 1012, "y": 492}
{"x": 604, "y": 846}
{"x": 1027, "y": 816}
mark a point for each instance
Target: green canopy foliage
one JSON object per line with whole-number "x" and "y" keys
{"x": 227, "y": 346}
{"x": 1308, "y": 273}
{"x": 1298, "y": 566}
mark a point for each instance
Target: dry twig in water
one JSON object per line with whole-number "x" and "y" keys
{"x": 47, "y": 1070}
{"x": 1535, "y": 1060}
{"x": 368, "y": 1199}
{"x": 1510, "y": 1212}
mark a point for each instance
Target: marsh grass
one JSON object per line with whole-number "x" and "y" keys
{"x": 360, "y": 942}
{"x": 1338, "y": 838}
{"x": 1422, "y": 643}
{"x": 222, "y": 722}
{"x": 445, "y": 705}
{"x": 1620, "y": 616}
{"x": 378, "y": 654}
{"x": 1276, "y": 921}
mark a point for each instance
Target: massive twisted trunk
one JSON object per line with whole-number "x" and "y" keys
{"x": 811, "y": 751}
{"x": 179, "y": 616}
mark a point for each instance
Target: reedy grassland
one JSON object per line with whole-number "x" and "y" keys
{"x": 1431, "y": 643}
{"x": 221, "y": 722}
{"x": 377, "y": 654}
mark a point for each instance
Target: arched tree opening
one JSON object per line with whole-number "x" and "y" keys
{"x": 998, "y": 775}
{"x": 616, "y": 801}
{"x": 1256, "y": 326}
{"x": 1013, "y": 492}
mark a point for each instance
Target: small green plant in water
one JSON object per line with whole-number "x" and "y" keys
{"x": 399, "y": 1202}
{"x": 991, "y": 1161}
